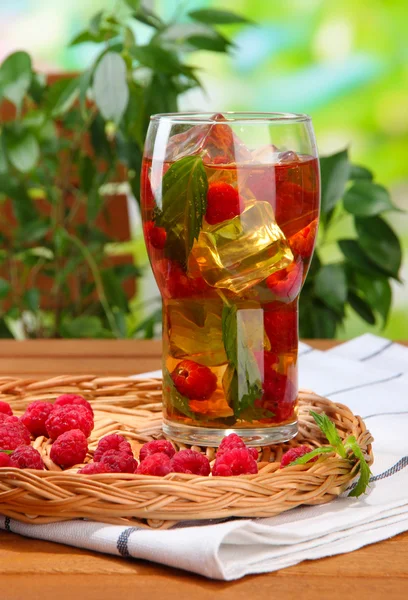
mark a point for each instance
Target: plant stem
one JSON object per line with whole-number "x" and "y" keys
{"x": 98, "y": 282}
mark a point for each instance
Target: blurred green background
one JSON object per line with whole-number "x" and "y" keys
{"x": 344, "y": 63}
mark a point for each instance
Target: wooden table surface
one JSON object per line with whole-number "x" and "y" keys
{"x": 36, "y": 570}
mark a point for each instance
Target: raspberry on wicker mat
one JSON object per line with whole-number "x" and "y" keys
{"x": 95, "y": 468}
{"x": 295, "y": 453}
{"x": 4, "y": 460}
{"x": 13, "y": 434}
{"x": 156, "y": 446}
{"x": 156, "y": 464}
{"x": 69, "y": 449}
{"x": 232, "y": 441}
{"x": 73, "y": 400}
{"x": 114, "y": 441}
{"x": 237, "y": 461}
{"x": 35, "y": 417}
{"x": 119, "y": 462}
{"x": 67, "y": 418}
{"x": 26, "y": 457}
{"x": 5, "y": 408}
{"x": 190, "y": 461}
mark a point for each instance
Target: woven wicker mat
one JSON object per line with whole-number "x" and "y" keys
{"x": 133, "y": 408}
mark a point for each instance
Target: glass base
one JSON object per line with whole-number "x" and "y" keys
{"x": 206, "y": 436}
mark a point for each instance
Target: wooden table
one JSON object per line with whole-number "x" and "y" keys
{"x": 34, "y": 570}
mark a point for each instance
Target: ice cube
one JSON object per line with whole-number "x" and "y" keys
{"x": 217, "y": 142}
{"x": 266, "y": 155}
{"x": 288, "y": 157}
{"x": 195, "y": 331}
{"x": 239, "y": 253}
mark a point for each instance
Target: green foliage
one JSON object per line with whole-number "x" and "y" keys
{"x": 360, "y": 281}
{"x": 72, "y": 137}
{"x": 67, "y": 141}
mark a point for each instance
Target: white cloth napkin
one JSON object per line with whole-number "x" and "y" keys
{"x": 370, "y": 375}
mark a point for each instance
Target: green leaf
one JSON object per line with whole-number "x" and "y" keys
{"x": 377, "y": 292}
{"x": 159, "y": 59}
{"x": 33, "y": 231}
{"x": 302, "y": 460}
{"x": 62, "y": 96}
{"x": 213, "y": 16}
{"x": 84, "y": 83}
{"x": 351, "y": 444}
{"x": 323, "y": 321}
{"x": 23, "y": 150}
{"x": 87, "y": 173}
{"x": 361, "y": 308}
{"x": 31, "y": 299}
{"x": 331, "y": 286}
{"x": 380, "y": 243}
{"x": 147, "y": 326}
{"x": 82, "y": 327}
{"x": 134, "y": 4}
{"x": 367, "y": 199}
{"x": 358, "y": 259}
{"x": 334, "y": 171}
{"x": 110, "y": 86}
{"x": 184, "y": 193}
{"x": 4, "y": 288}
{"x": 23, "y": 207}
{"x": 103, "y": 35}
{"x": 3, "y": 156}
{"x": 328, "y": 428}
{"x": 242, "y": 380}
{"x": 113, "y": 290}
{"x": 214, "y": 42}
{"x": 15, "y": 77}
{"x": 95, "y": 23}
{"x": 179, "y": 402}
{"x": 100, "y": 143}
{"x": 37, "y": 87}
{"x": 358, "y": 172}
{"x": 148, "y": 17}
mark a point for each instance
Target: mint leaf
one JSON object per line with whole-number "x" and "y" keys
{"x": 329, "y": 429}
{"x": 302, "y": 460}
{"x": 7, "y": 451}
{"x": 351, "y": 444}
{"x": 184, "y": 203}
{"x": 242, "y": 380}
{"x": 181, "y": 403}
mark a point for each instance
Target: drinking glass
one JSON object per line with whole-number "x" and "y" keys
{"x": 230, "y": 206}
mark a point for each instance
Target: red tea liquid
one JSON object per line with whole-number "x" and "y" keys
{"x": 230, "y": 309}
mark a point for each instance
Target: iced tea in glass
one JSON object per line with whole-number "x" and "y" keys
{"x": 230, "y": 208}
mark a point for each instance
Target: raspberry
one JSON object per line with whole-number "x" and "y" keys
{"x": 119, "y": 462}
{"x": 232, "y": 441}
{"x": 94, "y": 468}
{"x": 35, "y": 417}
{"x": 295, "y": 453}
{"x": 175, "y": 282}
{"x": 26, "y": 457}
{"x": 155, "y": 236}
{"x": 302, "y": 243}
{"x": 13, "y": 434}
{"x": 73, "y": 400}
{"x": 156, "y": 464}
{"x": 67, "y": 418}
{"x": 238, "y": 461}
{"x": 190, "y": 461}
{"x": 279, "y": 397}
{"x": 69, "y": 449}
{"x": 286, "y": 283}
{"x": 4, "y": 460}
{"x": 293, "y": 205}
{"x": 281, "y": 327}
{"x": 222, "y": 203}
{"x": 156, "y": 446}
{"x": 113, "y": 441}
{"x": 5, "y": 408}
{"x": 193, "y": 380}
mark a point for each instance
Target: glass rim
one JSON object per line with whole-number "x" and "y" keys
{"x": 209, "y": 118}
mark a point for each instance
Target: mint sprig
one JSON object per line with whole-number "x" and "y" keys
{"x": 7, "y": 451}
{"x": 184, "y": 203}
{"x": 349, "y": 449}
{"x": 242, "y": 380}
